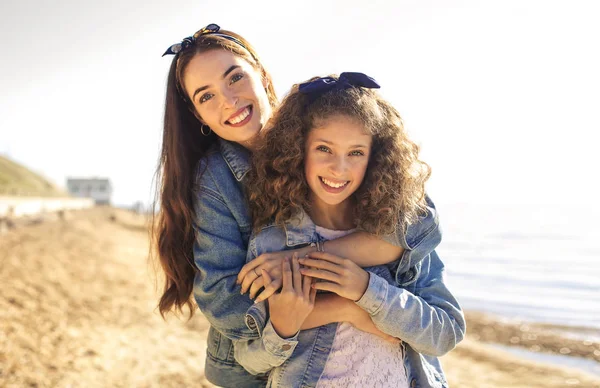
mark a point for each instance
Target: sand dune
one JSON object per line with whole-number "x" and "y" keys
{"x": 77, "y": 309}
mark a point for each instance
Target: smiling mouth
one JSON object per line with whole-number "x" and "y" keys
{"x": 240, "y": 117}
{"x": 333, "y": 184}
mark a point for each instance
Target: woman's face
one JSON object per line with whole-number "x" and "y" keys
{"x": 228, "y": 93}
{"x": 336, "y": 159}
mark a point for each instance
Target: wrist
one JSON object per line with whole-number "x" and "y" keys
{"x": 352, "y": 312}
{"x": 364, "y": 284}
{"x": 284, "y": 331}
{"x": 346, "y": 308}
{"x": 306, "y": 250}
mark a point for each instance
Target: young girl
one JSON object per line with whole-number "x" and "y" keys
{"x": 336, "y": 158}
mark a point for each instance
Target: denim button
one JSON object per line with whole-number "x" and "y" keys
{"x": 413, "y": 383}
{"x": 286, "y": 347}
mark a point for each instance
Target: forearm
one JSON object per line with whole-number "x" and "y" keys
{"x": 219, "y": 254}
{"x": 430, "y": 320}
{"x": 328, "y": 308}
{"x": 267, "y": 352}
{"x": 364, "y": 249}
{"x": 220, "y": 301}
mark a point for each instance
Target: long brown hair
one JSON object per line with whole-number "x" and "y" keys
{"x": 183, "y": 146}
{"x": 393, "y": 190}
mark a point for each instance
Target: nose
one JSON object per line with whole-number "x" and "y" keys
{"x": 338, "y": 166}
{"x": 230, "y": 99}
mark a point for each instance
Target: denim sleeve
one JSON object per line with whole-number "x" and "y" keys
{"x": 430, "y": 320}
{"x": 267, "y": 352}
{"x": 219, "y": 254}
{"x": 420, "y": 239}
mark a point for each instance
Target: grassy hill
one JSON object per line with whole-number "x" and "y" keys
{"x": 16, "y": 179}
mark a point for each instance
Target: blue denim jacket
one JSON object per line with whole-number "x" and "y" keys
{"x": 419, "y": 309}
{"x": 222, "y": 226}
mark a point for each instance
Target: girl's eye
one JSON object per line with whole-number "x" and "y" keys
{"x": 323, "y": 148}
{"x": 357, "y": 153}
{"x": 205, "y": 97}
{"x": 236, "y": 77}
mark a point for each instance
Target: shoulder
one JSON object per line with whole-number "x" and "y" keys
{"x": 426, "y": 229}
{"x": 214, "y": 181}
{"x": 210, "y": 167}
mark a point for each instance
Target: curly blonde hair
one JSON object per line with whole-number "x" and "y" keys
{"x": 392, "y": 194}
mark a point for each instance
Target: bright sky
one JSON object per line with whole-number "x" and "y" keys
{"x": 503, "y": 96}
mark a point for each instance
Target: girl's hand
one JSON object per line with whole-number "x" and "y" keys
{"x": 338, "y": 275}
{"x": 289, "y": 308}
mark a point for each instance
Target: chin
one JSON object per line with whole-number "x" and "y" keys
{"x": 333, "y": 202}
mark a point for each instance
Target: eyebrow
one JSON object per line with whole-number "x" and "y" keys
{"x": 200, "y": 89}
{"x": 330, "y": 143}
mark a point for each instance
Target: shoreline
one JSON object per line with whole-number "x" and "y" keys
{"x": 534, "y": 337}
{"x": 503, "y": 352}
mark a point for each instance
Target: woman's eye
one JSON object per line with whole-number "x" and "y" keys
{"x": 323, "y": 148}
{"x": 236, "y": 77}
{"x": 205, "y": 97}
{"x": 357, "y": 153}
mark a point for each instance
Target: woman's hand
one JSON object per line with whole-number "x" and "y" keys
{"x": 250, "y": 275}
{"x": 337, "y": 275}
{"x": 289, "y": 308}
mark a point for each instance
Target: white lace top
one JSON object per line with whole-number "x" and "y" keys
{"x": 359, "y": 359}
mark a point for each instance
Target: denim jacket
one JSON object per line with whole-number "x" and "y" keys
{"x": 419, "y": 310}
{"x": 222, "y": 227}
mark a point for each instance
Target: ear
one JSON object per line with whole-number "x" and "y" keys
{"x": 195, "y": 113}
{"x": 265, "y": 81}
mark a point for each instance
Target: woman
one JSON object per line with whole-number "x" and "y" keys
{"x": 219, "y": 96}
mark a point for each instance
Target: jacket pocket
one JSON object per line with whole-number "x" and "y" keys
{"x": 219, "y": 347}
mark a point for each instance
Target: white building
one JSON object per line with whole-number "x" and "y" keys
{"x": 99, "y": 189}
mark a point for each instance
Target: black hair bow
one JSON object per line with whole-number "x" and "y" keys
{"x": 345, "y": 81}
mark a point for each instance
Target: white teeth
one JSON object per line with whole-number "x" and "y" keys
{"x": 333, "y": 184}
{"x": 239, "y": 118}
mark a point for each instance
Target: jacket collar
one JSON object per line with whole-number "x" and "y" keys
{"x": 300, "y": 229}
{"x": 237, "y": 158}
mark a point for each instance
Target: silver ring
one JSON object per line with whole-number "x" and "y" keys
{"x": 257, "y": 275}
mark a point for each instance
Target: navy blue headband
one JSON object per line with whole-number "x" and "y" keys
{"x": 346, "y": 80}
{"x": 212, "y": 29}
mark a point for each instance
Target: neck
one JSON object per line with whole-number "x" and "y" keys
{"x": 336, "y": 217}
{"x": 249, "y": 144}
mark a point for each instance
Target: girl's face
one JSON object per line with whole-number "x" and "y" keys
{"x": 337, "y": 156}
{"x": 228, "y": 94}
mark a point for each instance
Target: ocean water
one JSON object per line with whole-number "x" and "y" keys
{"x": 534, "y": 262}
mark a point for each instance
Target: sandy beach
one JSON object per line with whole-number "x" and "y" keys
{"x": 78, "y": 309}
